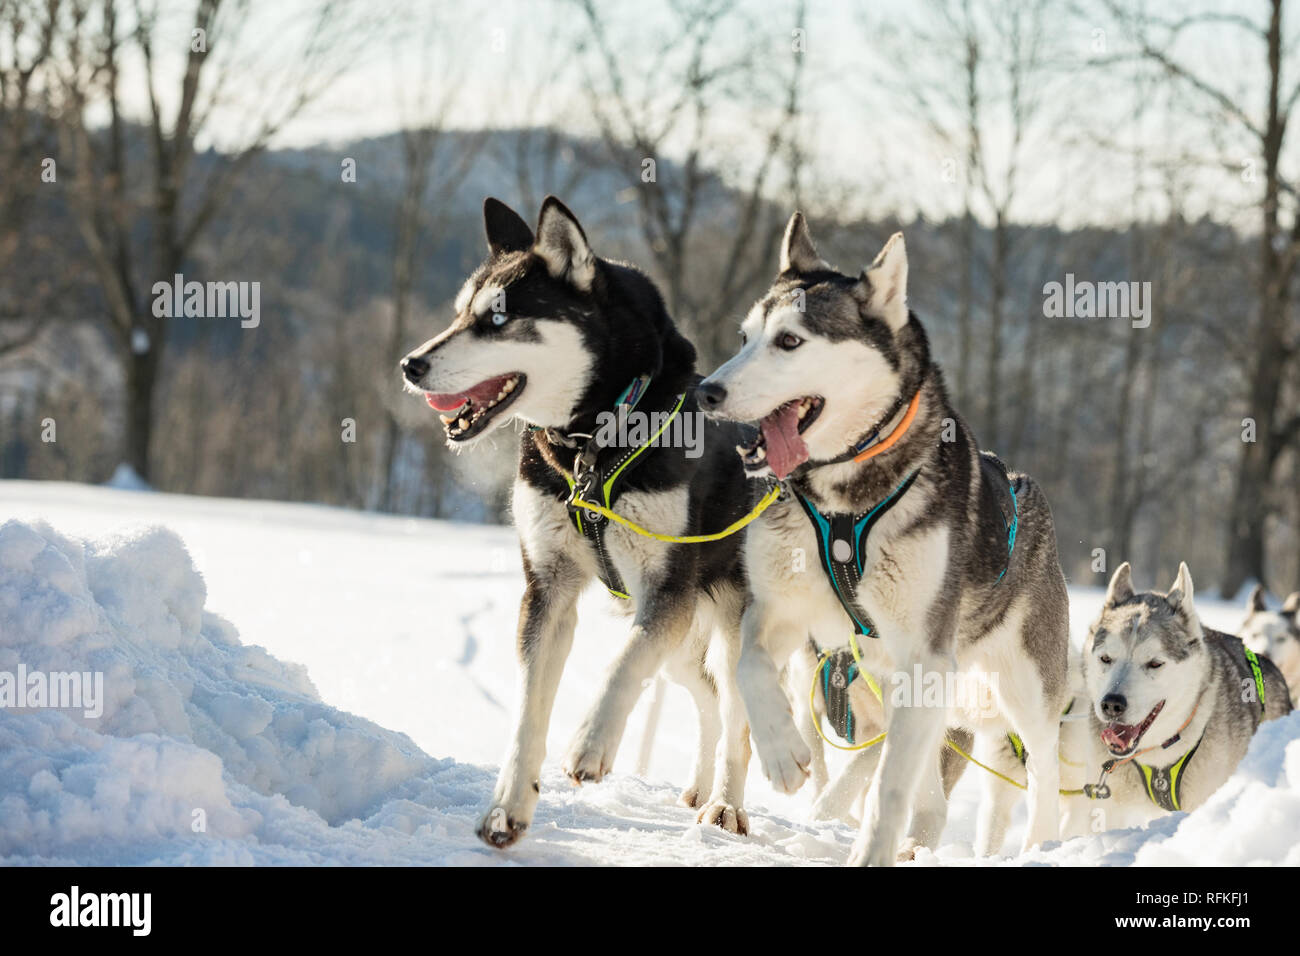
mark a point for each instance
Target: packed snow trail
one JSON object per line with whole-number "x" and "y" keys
{"x": 209, "y": 749}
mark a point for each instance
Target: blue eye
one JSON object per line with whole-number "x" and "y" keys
{"x": 499, "y": 318}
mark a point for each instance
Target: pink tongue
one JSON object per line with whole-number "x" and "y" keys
{"x": 482, "y": 393}
{"x": 785, "y": 448}
{"x": 1119, "y": 735}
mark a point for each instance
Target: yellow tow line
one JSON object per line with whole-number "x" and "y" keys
{"x": 729, "y": 530}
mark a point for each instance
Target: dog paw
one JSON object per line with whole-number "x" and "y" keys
{"x": 690, "y": 798}
{"x": 589, "y": 760}
{"x": 873, "y": 854}
{"x": 731, "y": 818}
{"x": 500, "y": 829}
{"x": 786, "y": 765}
{"x": 907, "y": 852}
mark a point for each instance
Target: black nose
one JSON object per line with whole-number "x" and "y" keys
{"x": 414, "y": 368}
{"x": 710, "y": 395}
{"x": 1113, "y": 706}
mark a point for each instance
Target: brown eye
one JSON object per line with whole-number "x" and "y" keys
{"x": 1152, "y": 665}
{"x": 744, "y": 339}
{"x": 1105, "y": 658}
{"x": 788, "y": 341}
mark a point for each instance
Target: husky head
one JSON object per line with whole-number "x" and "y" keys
{"x": 1144, "y": 661}
{"x": 532, "y": 325}
{"x": 1273, "y": 633}
{"x": 823, "y": 356}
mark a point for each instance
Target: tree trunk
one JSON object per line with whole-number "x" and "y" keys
{"x": 141, "y": 382}
{"x": 1250, "y": 506}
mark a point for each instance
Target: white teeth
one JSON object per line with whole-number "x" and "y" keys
{"x": 742, "y": 450}
{"x": 447, "y": 419}
{"x": 501, "y": 394}
{"x": 463, "y": 423}
{"x": 510, "y": 385}
{"x": 803, "y": 410}
{"x": 761, "y": 452}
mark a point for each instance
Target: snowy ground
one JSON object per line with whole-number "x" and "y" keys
{"x": 293, "y": 684}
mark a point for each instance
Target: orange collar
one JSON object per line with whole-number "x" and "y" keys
{"x": 892, "y": 439}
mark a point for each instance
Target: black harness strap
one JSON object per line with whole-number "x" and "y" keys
{"x": 592, "y": 481}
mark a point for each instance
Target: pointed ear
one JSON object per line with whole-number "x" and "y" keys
{"x": 882, "y": 290}
{"x": 506, "y": 231}
{"x": 798, "y": 254}
{"x": 1180, "y": 595}
{"x": 1121, "y": 585}
{"x": 563, "y": 245}
{"x": 1256, "y": 600}
{"x": 1292, "y": 604}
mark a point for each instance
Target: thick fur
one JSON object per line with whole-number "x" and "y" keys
{"x": 577, "y": 329}
{"x": 931, "y": 579}
{"x": 1275, "y": 634}
{"x": 1148, "y": 648}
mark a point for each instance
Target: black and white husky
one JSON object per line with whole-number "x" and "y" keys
{"x": 549, "y": 335}
{"x": 895, "y": 526}
{"x": 1173, "y": 704}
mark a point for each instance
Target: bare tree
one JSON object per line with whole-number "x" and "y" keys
{"x": 1272, "y": 338}
{"x": 116, "y": 185}
{"x": 694, "y": 59}
{"x": 26, "y": 43}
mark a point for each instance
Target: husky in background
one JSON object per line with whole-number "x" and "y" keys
{"x": 1174, "y": 704}
{"x": 854, "y": 417}
{"x": 1275, "y": 634}
{"x": 548, "y": 334}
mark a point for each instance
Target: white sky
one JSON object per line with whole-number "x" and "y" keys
{"x": 508, "y": 63}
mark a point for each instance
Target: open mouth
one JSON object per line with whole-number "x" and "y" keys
{"x": 466, "y": 414}
{"x": 779, "y": 444}
{"x": 1122, "y": 739}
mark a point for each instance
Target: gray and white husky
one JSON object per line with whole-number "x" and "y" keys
{"x": 854, "y": 417}
{"x": 1174, "y": 704}
{"x": 550, "y": 335}
{"x": 1275, "y": 634}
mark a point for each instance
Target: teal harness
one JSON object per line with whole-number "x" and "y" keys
{"x": 842, "y": 540}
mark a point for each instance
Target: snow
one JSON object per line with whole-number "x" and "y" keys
{"x": 291, "y": 684}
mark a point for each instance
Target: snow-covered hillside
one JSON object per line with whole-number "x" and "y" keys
{"x": 292, "y": 684}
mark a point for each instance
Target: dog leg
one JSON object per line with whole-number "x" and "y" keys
{"x": 915, "y": 733}
{"x": 1044, "y": 772}
{"x": 930, "y": 812}
{"x": 547, "y": 618}
{"x": 1036, "y": 719}
{"x": 697, "y": 681}
{"x": 725, "y": 806}
{"x": 660, "y": 627}
{"x": 766, "y": 644}
{"x": 798, "y": 678}
{"x": 998, "y": 797}
{"x": 837, "y": 800}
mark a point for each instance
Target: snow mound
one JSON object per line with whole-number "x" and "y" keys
{"x": 177, "y": 724}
